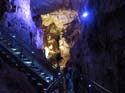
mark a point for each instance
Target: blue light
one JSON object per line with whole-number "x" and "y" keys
{"x": 33, "y": 52}
{"x": 89, "y": 85}
{"x": 14, "y": 36}
{"x": 59, "y": 74}
{"x": 51, "y": 78}
{"x": 47, "y": 81}
{"x": 85, "y": 14}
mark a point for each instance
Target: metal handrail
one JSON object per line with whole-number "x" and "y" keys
{"x": 45, "y": 62}
{"x": 22, "y": 64}
{"x": 91, "y": 83}
{"x": 100, "y": 87}
{"x": 52, "y": 85}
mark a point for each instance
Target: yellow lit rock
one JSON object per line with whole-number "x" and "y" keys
{"x": 55, "y": 24}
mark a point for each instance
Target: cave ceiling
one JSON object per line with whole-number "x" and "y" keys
{"x": 45, "y": 6}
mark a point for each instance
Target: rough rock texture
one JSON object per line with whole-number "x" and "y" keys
{"x": 101, "y": 48}
{"x": 46, "y": 6}
{"x": 19, "y": 18}
{"x": 3, "y": 8}
{"x": 102, "y": 6}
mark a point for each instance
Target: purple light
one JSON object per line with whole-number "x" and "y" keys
{"x": 85, "y": 14}
{"x": 89, "y": 85}
{"x": 44, "y": 88}
{"x": 59, "y": 74}
{"x": 33, "y": 52}
{"x": 14, "y": 36}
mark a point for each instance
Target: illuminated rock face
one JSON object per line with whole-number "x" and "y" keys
{"x": 39, "y": 38}
{"x": 60, "y": 33}
{"x": 65, "y": 51}
{"x": 19, "y": 19}
{"x": 20, "y": 12}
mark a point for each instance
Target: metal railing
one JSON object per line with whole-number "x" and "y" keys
{"x": 29, "y": 48}
{"x": 93, "y": 87}
{"x": 100, "y": 88}
{"x": 56, "y": 85}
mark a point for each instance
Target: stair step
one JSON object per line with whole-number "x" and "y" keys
{"x": 13, "y": 49}
{"x": 17, "y": 52}
{"x": 28, "y": 62}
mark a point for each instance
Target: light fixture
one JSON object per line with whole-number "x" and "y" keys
{"x": 89, "y": 85}
{"x": 14, "y": 36}
{"x": 85, "y": 14}
{"x": 59, "y": 74}
{"x": 47, "y": 81}
{"x": 33, "y": 52}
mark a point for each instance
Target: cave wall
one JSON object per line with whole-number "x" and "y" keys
{"x": 102, "y": 6}
{"x": 101, "y": 49}
{"x": 3, "y": 8}
{"x": 18, "y": 18}
{"x": 46, "y": 6}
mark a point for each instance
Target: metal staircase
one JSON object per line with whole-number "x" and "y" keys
{"x": 16, "y": 55}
